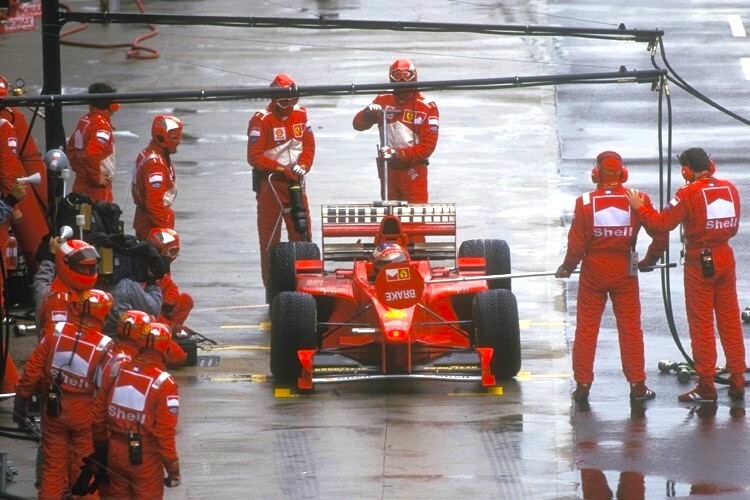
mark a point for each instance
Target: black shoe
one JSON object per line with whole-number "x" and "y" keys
{"x": 581, "y": 394}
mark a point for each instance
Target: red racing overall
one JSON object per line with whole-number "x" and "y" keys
{"x": 603, "y": 233}
{"x": 275, "y": 144}
{"x": 176, "y": 306}
{"x": 91, "y": 151}
{"x": 31, "y": 228}
{"x": 58, "y": 306}
{"x": 413, "y": 133}
{"x": 709, "y": 210}
{"x": 154, "y": 191}
{"x": 144, "y": 400}
{"x": 69, "y": 357}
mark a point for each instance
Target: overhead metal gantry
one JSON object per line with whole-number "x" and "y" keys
{"x": 54, "y": 18}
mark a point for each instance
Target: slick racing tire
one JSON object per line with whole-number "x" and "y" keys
{"x": 496, "y": 325}
{"x": 496, "y": 254}
{"x": 282, "y": 275}
{"x": 293, "y": 323}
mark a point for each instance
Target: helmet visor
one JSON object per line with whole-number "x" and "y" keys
{"x": 402, "y": 75}
{"x": 286, "y": 103}
{"x": 84, "y": 261}
{"x": 173, "y": 252}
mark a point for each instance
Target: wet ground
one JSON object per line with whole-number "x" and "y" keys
{"x": 513, "y": 162}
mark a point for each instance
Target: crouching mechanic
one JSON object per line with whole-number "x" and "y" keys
{"x": 603, "y": 236}
{"x": 135, "y": 422}
{"x": 176, "y": 306}
{"x": 130, "y": 294}
{"x": 65, "y": 363}
{"x": 280, "y": 142}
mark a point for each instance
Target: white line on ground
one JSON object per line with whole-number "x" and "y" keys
{"x": 735, "y": 24}
{"x": 745, "y": 62}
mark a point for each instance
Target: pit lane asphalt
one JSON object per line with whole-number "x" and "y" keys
{"x": 512, "y": 161}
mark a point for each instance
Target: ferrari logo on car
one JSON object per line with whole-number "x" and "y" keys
{"x": 397, "y": 274}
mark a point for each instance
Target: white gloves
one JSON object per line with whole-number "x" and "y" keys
{"x": 299, "y": 170}
{"x": 388, "y": 153}
{"x": 374, "y": 109}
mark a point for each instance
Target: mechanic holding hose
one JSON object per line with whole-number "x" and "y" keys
{"x": 280, "y": 143}
{"x": 603, "y": 236}
{"x": 709, "y": 209}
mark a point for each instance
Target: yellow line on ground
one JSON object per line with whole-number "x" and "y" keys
{"x": 229, "y": 308}
{"x": 527, "y": 323}
{"x": 491, "y": 391}
{"x": 263, "y": 327}
{"x": 529, "y": 375}
{"x": 287, "y": 393}
{"x": 241, "y": 348}
{"x": 255, "y": 378}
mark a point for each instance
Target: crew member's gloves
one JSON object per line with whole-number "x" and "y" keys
{"x": 562, "y": 273}
{"x": 94, "y": 465}
{"x": 173, "y": 479}
{"x": 387, "y": 153}
{"x": 374, "y": 109}
{"x": 646, "y": 264}
{"x": 299, "y": 170}
{"x": 289, "y": 174}
{"x": 20, "y": 409}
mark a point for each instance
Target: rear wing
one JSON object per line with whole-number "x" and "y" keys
{"x": 349, "y": 230}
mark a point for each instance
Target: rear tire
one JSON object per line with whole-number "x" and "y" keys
{"x": 496, "y": 325}
{"x": 496, "y": 253}
{"x": 293, "y": 324}
{"x": 282, "y": 276}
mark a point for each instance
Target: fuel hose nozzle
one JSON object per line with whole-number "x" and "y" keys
{"x": 298, "y": 211}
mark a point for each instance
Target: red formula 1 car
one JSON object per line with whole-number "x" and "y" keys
{"x": 412, "y": 319}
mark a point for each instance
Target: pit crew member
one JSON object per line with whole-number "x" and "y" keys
{"x": 91, "y": 147}
{"x": 603, "y": 237}
{"x": 280, "y": 142}
{"x": 135, "y": 423}
{"x": 709, "y": 211}
{"x": 153, "y": 184}
{"x": 412, "y": 134}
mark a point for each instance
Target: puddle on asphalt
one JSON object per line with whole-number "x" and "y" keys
{"x": 599, "y": 484}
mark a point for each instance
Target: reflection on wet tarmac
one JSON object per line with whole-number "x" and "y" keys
{"x": 615, "y": 458}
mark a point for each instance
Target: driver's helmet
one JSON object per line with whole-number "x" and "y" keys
{"x": 387, "y": 253}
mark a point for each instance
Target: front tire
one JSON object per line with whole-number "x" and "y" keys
{"x": 293, "y": 324}
{"x": 496, "y": 325}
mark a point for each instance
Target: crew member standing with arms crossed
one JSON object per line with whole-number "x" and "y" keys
{"x": 91, "y": 147}
{"x": 709, "y": 211}
{"x": 280, "y": 142}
